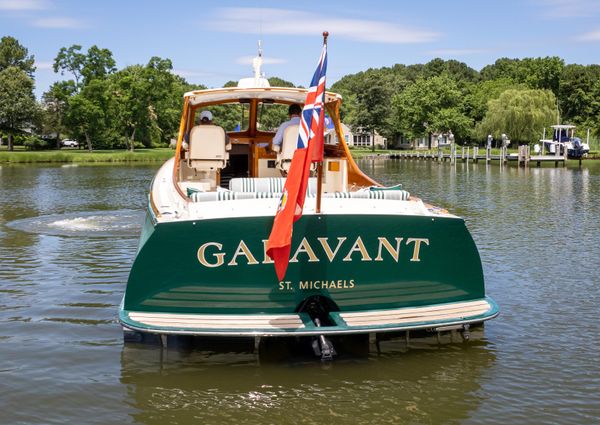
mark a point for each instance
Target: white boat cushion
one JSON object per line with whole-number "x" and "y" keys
{"x": 231, "y": 196}
{"x": 288, "y": 147}
{"x": 265, "y": 184}
{"x": 399, "y": 195}
{"x": 208, "y": 147}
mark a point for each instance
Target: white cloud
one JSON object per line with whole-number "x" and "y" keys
{"x": 58, "y": 23}
{"x": 43, "y": 65}
{"x": 190, "y": 73}
{"x": 293, "y": 22}
{"x": 589, "y": 36}
{"x": 556, "y": 9}
{"x": 456, "y": 52}
{"x": 199, "y": 73}
{"x": 20, "y": 5}
{"x": 247, "y": 60}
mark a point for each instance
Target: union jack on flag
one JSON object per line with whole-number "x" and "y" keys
{"x": 309, "y": 149}
{"x": 311, "y": 123}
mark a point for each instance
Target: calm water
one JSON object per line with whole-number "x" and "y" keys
{"x": 68, "y": 236}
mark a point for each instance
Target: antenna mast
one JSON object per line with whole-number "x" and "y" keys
{"x": 257, "y": 63}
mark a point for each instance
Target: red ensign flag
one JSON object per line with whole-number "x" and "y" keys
{"x": 309, "y": 149}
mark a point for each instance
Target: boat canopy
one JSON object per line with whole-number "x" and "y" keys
{"x": 236, "y": 94}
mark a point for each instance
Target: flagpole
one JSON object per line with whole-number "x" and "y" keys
{"x": 320, "y": 163}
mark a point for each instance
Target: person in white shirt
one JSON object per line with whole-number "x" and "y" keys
{"x": 294, "y": 112}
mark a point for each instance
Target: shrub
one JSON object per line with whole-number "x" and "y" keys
{"x": 34, "y": 143}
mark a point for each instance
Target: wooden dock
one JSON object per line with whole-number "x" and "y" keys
{"x": 475, "y": 154}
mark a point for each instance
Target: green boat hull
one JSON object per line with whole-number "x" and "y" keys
{"x": 359, "y": 262}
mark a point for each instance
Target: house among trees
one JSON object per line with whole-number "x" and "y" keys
{"x": 433, "y": 141}
{"x": 363, "y": 139}
{"x": 331, "y": 137}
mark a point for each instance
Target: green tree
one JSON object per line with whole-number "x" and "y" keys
{"x": 478, "y": 95}
{"x": 13, "y": 54}
{"x": 458, "y": 71}
{"x": 536, "y": 73}
{"x": 346, "y": 86}
{"x": 129, "y": 105}
{"x": 84, "y": 118}
{"x": 373, "y": 106}
{"x": 97, "y": 63}
{"x": 428, "y": 106}
{"x": 17, "y": 102}
{"x": 521, "y": 114}
{"x": 72, "y": 60}
{"x": 166, "y": 100}
{"x": 576, "y": 96}
{"x": 145, "y": 102}
{"x": 230, "y": 115}
{"x": 593, "y": 118}
{"x": 54, "y": 103}
{"x": 279, "y": 82}
{"x": 270, "y": 116}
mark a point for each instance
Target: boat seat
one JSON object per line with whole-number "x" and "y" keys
{"x": 287, "y": 149}
{"x": 208, "y": 148}
{"x": 398, "y": 195}
{"x": 230, "y": 196}
{"x": 265, "y": 184}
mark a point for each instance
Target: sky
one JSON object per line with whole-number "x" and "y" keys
{"x": 211, "y": 43}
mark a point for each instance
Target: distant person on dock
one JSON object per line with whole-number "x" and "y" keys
{"x": 294, "y": 112}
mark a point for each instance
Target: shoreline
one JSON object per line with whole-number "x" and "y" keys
{"x": 394, "y": 154}
{"x": 83, "y": 156}
{"x": 66, "y": 156}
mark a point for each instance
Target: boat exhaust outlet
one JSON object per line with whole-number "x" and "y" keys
{"x": 322, "y": 347}
{"x": 318, "y": 308}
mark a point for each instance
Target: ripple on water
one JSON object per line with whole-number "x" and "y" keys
{"x": 120, "y": 223}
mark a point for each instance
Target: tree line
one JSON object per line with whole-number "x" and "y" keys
{"x": 140, "y": 105}
{"x": 519, "y": 97}
{"x": 137, "y": 106}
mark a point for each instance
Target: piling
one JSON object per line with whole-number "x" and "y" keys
{"x": 524, "y": 156}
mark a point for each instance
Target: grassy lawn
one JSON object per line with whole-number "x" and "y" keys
{"x": 361, "y": 153}
{"x": 19, "y": 155}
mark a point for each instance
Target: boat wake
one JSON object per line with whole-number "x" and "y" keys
{"x": 121, "y": 223}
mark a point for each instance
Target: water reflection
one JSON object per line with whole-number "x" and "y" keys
{"x": 63, "y": 359}
{"x": 425, "y": 383}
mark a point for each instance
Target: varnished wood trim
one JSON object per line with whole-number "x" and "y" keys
{"x": 355, "y": 174}
{"x": 152, "y": 204}
{"x": 179, "y": 149}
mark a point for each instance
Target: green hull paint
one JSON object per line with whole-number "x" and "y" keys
{"x": 167, "y": 275}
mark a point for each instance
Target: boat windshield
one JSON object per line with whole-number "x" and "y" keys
{"x": 230, "y": 116}
{"x": 271, "y": 115}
